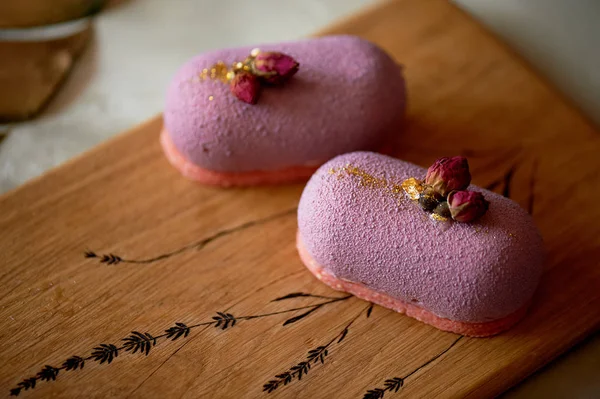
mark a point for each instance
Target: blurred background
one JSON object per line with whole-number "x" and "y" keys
{"x": 84, "y": 80}
{"x": 73, "y": 73}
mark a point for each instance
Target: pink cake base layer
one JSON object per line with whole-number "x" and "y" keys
{"x": 469, "y": 329}
{"x": 229, "y": 179}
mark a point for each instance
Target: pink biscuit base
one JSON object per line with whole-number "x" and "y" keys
{"x": 228, "y": 179}
{"x": 469, "y": 329}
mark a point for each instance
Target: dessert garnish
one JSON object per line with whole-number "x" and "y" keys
{"x": 444, "y": 192}
{"x": 246, "y": 78}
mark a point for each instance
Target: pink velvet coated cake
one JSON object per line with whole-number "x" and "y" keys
{"x": 360, "y": 231}
{"x": 346, "y": 94}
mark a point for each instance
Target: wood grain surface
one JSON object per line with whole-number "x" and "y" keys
{"x": 163, "y": 250}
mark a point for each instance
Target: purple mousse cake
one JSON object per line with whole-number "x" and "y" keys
{"x": 422, "y": 242}
{"x": 274, "y": 113}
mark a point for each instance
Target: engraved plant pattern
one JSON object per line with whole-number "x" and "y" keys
{"x": 142, "y": 343}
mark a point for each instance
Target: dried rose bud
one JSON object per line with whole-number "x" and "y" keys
{"x": 449, "y": 174}
{"x": 429, "y": 199}
{"x": 467, "y": 206}
{"x": 246, "y": 87}
{"x": 275, "y": 67}
{"x": 442, "y": 210}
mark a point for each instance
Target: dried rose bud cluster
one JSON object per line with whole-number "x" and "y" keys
{"x": 445, "y": 191}
{"x": 259, "y": 69}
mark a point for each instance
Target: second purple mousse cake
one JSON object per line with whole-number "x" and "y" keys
{"x": 422, "y": 242}
{"x": 273, "y": 113}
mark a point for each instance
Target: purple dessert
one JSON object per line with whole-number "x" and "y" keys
{"x": 346, "y": 94}
{"x": 362, "y": 228}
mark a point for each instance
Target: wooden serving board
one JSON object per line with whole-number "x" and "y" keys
{"x": 163, "y": 250}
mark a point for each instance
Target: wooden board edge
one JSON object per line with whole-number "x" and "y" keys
{"x": 340, "y": 24}
{"x": 333, "y": 28}
{"x": 77, "y": 158}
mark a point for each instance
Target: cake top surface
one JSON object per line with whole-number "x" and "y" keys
{"x": 348, "y": 94}
{"x": 359, "y": 224}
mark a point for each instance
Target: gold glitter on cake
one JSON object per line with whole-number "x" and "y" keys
{"x": 439, "y": 218}
{"x": 413, "y": 187}
{"x": 219, "y": 71}
{"x": 210, "y": 98}
{"x": 486, "y": 230}
{"x": 366, "y": 179}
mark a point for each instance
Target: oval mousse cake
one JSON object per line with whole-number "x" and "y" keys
{"x": 273, "y": 113}
{"x": 422, "y": 242}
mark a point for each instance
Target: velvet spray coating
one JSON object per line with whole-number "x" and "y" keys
{"x": 348, "y": 95}
{"x": 375, "y": 235}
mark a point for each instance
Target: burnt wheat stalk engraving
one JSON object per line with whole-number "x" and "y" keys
{"x": 314, "y": 357}
{"x": 506, "y": 183}
{"x": 144, "y": 342}
{"x": 394, "y": 384}
{"x": 531, "y": 199}
{"x": 112, "y": 259}
{"x": 391, "y": 385}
